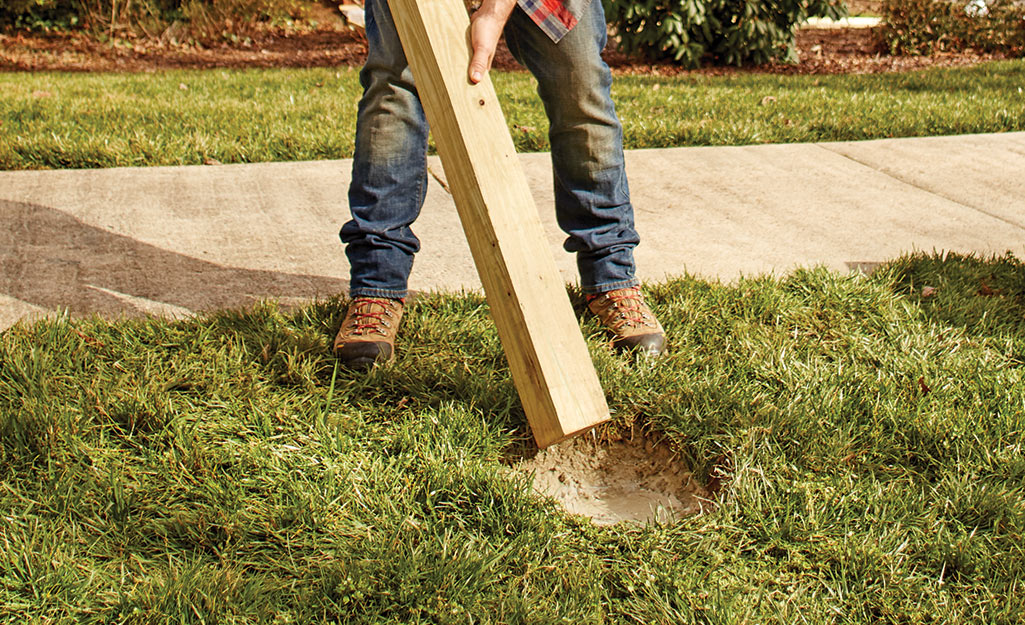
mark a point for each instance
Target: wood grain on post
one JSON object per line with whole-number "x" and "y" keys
{"x": 547, "y": 355}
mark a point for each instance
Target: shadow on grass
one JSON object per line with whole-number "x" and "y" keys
{"x": 980, "y": 294}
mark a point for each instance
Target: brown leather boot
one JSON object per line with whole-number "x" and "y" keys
{"x": 367, "y": 334}
{"x": 627, "y": 317}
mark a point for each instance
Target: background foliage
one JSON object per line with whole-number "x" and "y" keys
{"x": 723, "y": 31}
{"x": 688, "y": 32}
{"x": 928, "y": 26}
{"x": 168, "y": 18}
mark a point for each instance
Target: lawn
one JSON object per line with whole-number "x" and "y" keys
{"x": 864, "y": 442}
{"x": 52, "y": 120}
{"x": 868, "y": 441}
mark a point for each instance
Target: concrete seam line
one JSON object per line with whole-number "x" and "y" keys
{"x": 920, "y": 188}
{"x": 441, "y": 180}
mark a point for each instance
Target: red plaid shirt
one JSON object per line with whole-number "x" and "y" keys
{"x": 555, "y": 17}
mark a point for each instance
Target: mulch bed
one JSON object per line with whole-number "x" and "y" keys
{"x": 822, "y": 51}
{"x": 80, "y": 53}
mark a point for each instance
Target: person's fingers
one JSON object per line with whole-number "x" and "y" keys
{"x": 485, "y": 31}
{"x": 480, "y": 63}
{"x": 486, "y": 26}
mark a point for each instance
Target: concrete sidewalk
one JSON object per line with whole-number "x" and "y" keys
{"x": 174, "y": 240}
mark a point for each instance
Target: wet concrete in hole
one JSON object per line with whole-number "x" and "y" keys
{"x": 629, "y": 481}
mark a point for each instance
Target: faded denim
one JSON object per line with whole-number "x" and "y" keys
{"x": 389, "y": 173}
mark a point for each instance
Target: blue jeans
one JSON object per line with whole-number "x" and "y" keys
{"x": 389, "y": 171}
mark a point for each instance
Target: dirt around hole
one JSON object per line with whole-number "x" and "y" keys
{"x": 628, "y": 481}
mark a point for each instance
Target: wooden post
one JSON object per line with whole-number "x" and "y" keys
{"x": 547, "y": 355}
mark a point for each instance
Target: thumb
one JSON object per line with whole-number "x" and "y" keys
{"x": 479, "y": 64}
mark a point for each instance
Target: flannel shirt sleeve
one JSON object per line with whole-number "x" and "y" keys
{"x": 555, "y": 17}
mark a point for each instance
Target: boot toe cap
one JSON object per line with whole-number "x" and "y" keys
{"x": 362, "y": 354}
{"x": 645, "y": 344}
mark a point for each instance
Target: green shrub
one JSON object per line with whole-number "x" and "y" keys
{"x": 731, "y": 32}
{"x": 197, "y": 18}
{"x": 39, "y": 13}
{"x": 928, "y": 26}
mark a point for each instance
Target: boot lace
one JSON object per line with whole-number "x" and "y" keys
{"x": 627, "y": 309}
{"x": 370, "y": 316}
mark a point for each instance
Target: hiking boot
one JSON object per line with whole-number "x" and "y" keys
{"x": 627, "y": 317}
{"x": 368, "y": 332}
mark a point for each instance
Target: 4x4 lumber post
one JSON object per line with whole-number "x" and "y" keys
{"x": 547, "y": 355}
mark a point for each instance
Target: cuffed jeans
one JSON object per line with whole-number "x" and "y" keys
{"x": 389, "y": 172}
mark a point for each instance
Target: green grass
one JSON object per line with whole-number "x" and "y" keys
{"x": 223, "y": 470}
{"x": 186, "y": 117}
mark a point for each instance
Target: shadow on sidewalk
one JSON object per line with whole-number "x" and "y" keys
{"x": 53, "y": 260}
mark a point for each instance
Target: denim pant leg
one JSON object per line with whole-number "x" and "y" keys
{"x": 389, "y": 170}
{"x": 592, "y": 199}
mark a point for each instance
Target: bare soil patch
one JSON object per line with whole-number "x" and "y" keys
{"x": 822, "y": 51}
{"x": 80, "y": 53}
{"x": 634, "y": 480}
